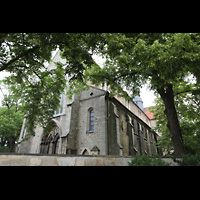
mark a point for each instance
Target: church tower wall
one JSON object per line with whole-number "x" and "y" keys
{"x": 93, "y": 99}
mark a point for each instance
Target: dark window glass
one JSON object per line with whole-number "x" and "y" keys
{"x": 92, "y": 120}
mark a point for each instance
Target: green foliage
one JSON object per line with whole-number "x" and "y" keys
{"x": 40, "y": 99}
{"x": 132, "y": 59}
{"x": 164, "y": 141}
{"x": 145, "y": 160}
{"x": 188, "y": 109}
{"x": 37, "y": 88}
{"x": 10, "y": 126}
{"x": 4, "y": 149}
{"x": 11, "y": 118}
{"x": 189, "y": 160}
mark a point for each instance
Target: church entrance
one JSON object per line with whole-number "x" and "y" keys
{"x": 50, "y": 142}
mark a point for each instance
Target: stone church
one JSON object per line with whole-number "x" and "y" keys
{"x": 92, "y": 123}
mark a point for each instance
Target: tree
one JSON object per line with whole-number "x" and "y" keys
{"x": 164, "y": 141}
{"x": 24, "y": 55}
{"x": 133, "y": 59}
{"x": 187, "y": 105}
{"x": 11, "y": 118}
{"x": 38, "y": 89}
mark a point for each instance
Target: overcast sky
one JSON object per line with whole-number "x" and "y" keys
{"x": 147, "y": 97}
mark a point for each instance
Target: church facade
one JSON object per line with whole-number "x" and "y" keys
{"x": 92, "y": 123}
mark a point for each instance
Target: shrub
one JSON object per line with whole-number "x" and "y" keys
{"x": 189, "y": 160}
{"x": 145, "y": 160}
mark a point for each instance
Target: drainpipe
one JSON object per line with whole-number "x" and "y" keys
{"x": 108, "y": 151}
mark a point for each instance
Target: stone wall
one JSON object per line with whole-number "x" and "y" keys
{"x": 127, "y": 133}
{"x": 92, "y": 99}
{"x": 65, "y": 160}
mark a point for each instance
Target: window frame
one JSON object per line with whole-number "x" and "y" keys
{"x": 59, "y": 110}
{"x": 90, "y": 123}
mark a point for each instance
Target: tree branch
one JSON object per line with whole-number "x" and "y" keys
{"x": 126, "y": 74}
{"x": 3, "y": 67}
{"x": 186, "y": 91}
{"x": 113, "y": 79}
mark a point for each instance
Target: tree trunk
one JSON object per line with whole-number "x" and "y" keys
{"x": 12, "y": 144}
{"x": 173, "y": 122}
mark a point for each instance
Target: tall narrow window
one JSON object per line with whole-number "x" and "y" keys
{"x": 60, "y": 107}
{"x": 91, "y": 120}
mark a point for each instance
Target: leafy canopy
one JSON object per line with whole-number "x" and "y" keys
{"x": 24, "y": 56}
{"x": 160, "y": 58}
{"x": 187, "y": 103}
{"x": 10, "y": 126}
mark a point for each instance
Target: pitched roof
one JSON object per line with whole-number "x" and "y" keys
{"x": 149, "y": 114}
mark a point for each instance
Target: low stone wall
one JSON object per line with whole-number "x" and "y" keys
{"x": 64, "y": 160}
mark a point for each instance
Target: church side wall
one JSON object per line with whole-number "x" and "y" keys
{"x": 134, "y": 108}
{"x": 128, "y": 134}
{"x": 92, "y": 99}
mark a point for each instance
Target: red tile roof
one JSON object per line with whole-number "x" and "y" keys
{"x": 149, "y": 114}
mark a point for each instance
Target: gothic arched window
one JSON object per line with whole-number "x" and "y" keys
{"x": 50, "y": 143}
{"x": 91, "y": 120}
